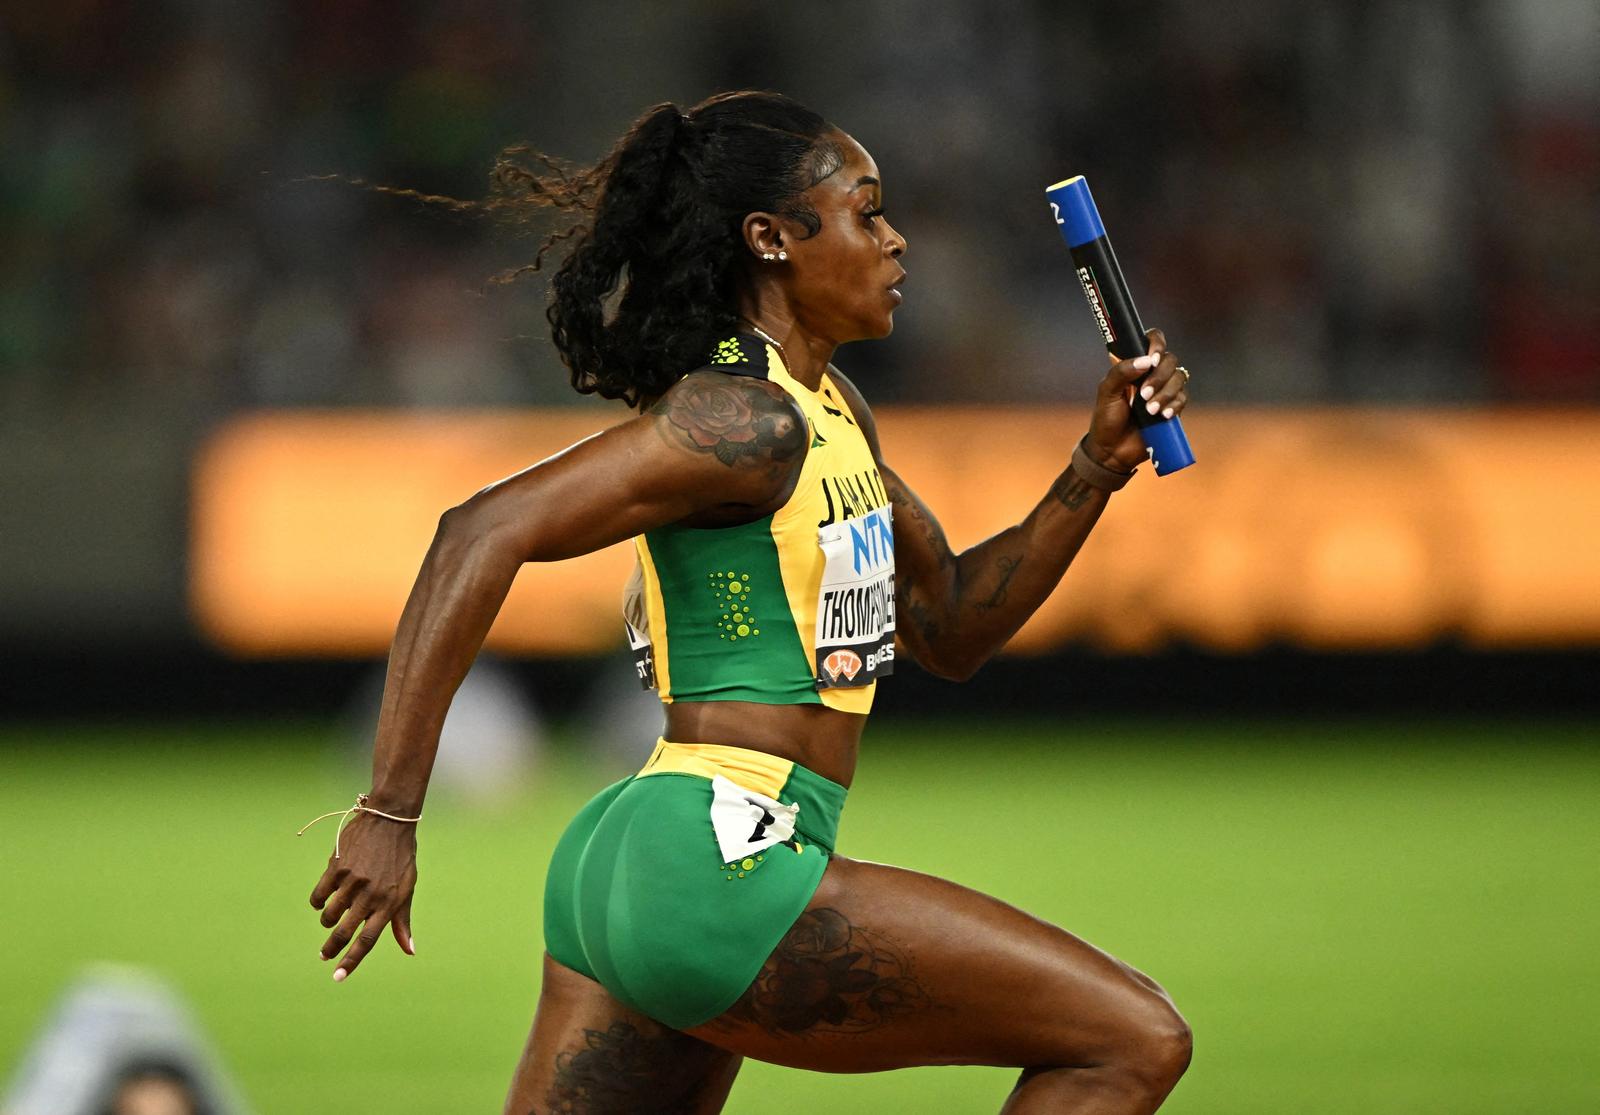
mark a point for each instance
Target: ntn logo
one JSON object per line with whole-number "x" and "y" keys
{"x": 872, "y": 538}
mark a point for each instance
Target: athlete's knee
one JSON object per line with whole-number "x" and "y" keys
{"x": 1159, "y": 1045}
{"x": 1144, "y": 1048}
{"x": 1138, "y": 1060}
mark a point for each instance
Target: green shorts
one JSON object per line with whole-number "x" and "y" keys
{"x": 641, "y": 899}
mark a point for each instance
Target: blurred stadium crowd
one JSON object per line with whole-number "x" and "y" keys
{"x": 1382, "y": 199}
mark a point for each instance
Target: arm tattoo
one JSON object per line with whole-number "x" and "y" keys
{"x": 911, "y": 511}
{"x": 920, "y": 614}
{"x": 909, "y": 515}
{"x": 738, "y": 421}
{"x": 1071, "y": 490}
{"x": 829, "y": 976}
{"x": 1008, "y": 568}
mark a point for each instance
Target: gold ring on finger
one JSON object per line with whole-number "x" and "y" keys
{"x": 1185, "y": 372}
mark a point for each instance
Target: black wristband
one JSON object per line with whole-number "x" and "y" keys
{"x": 1097, "y": 475}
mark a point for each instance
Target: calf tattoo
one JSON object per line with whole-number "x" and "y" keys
{"x": 619, "y": 1071}
{"x": 829, "y": 976}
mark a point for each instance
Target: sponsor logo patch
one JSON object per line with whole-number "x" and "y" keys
{"x": 842, "y": 664}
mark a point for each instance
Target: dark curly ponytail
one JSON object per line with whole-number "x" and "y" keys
{"x": 660, "y": 216}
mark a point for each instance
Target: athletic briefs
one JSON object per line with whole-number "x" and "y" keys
{"x": 672, "y": 887}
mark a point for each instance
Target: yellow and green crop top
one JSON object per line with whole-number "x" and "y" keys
{"x": 794, "y": 608}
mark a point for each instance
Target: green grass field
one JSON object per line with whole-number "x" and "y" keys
{"x": 1355, "y": 918}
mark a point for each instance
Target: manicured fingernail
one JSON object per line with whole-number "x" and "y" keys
{"x": 1168, "y": 413}
{"x": 338, "y": 976}
{"x": 411, "y": 943}
{"x": 1152, "y": 406}
{"x": 1144, "y": 363}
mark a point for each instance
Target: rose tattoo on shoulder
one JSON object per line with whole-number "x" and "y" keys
{"x": 736, "y": 421}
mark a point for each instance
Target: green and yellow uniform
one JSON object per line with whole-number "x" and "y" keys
{"x": 795, "y": 608}
{"x": 672, "y": 887}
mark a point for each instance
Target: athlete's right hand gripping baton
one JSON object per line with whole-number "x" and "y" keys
{"x": 1107, "y": 291}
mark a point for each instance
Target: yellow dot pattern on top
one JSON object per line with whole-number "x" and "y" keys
{"x": 735, "y": 606}
{"x": 728, "y": 352}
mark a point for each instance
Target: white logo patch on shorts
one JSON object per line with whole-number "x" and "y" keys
{"x": 747, "y": 822}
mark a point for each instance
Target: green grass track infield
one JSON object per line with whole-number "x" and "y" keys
{"x": 1356, "y": 918}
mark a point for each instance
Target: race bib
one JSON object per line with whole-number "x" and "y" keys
{"x": 855, "y": 605}
{"x": 644, "y": 663}
{"x": 637, "y": 620}
{"x": 747, "y": 822}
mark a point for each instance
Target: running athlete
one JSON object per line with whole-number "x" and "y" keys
{"x": 697, "y": 913}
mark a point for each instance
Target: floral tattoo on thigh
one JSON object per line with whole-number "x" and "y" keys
{"x": 829, "y": 976}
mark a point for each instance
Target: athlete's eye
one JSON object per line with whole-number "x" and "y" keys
{"x": 871, "y": 213}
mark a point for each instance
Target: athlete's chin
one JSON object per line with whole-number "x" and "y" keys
{"x": 871, "y": 325}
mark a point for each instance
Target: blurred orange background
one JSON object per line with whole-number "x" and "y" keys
{"x": 1326, "y": 529}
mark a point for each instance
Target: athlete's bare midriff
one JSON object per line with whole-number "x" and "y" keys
{"x": 823, "y": 740}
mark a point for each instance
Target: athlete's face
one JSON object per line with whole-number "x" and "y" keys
{"x": 842, "y": 281}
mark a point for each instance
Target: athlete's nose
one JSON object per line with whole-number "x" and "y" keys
{"x": 895, "y": 246}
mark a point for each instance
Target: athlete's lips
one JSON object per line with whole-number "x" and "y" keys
{"x": 894, "y": 287}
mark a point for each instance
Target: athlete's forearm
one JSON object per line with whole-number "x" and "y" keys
{"x": 963, "y": 608}
{"x": 458, "y": 592}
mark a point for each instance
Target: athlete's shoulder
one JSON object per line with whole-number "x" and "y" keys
{"x": 729, "y": 409}
{"x": 858, "y": 407}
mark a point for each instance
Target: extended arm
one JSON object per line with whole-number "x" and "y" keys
{"x": 714, "y": 445}
{"x": 954, "y": 611}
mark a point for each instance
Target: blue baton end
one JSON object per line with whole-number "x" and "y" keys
{"x": 1074, "y": 211}
{"x": 1169, "y": 447}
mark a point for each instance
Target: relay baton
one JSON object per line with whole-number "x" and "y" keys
{"x": 1112, "y": 305}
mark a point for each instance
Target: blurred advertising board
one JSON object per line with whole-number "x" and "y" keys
{"x": 1326, "y": 529}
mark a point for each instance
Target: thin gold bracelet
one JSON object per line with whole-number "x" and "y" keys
{"x": 360, "y": 806}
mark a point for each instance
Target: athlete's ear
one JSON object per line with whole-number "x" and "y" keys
{"x": 763, "y": 236}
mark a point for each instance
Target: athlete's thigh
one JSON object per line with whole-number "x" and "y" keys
{"x": 589, "y": 1055}
{"x": 889, "y": 968}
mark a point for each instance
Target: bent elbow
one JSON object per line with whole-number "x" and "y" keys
{"x": 951, "y": 667}
{"x": 459, "y": 524}
{"x": 451, "y": 521}
{"x": 468, "y": 527}
{"x": 963, "y": 670}
{"x": 488, "y": 529}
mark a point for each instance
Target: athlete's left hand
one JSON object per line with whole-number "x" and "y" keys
{"x": 1114, "y": 440}
{"x": 366, "y": 887}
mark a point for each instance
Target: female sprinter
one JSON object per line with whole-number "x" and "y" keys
{"x": 696, "y": 913}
